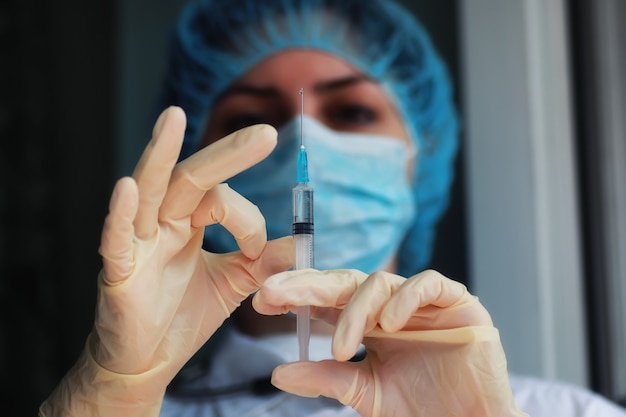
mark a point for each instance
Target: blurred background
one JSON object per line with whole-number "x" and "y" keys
{"x": 536, "y": 224}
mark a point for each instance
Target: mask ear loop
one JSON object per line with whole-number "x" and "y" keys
{"x": 411, "y": 151}
{"x": 411, "y": 161}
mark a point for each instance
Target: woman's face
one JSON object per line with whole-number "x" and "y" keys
{"x": 335, "y": 94}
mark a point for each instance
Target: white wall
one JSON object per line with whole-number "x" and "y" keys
{"x": 143, "y": 31}
{"x": 523, "y": 219}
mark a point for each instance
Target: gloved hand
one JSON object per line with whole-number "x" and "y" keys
{"x": 432, "y": 349}
{"x": 160, "y": 295}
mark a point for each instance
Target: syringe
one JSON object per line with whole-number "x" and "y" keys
{"x": 303, "y": 235}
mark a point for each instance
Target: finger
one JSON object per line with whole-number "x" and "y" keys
{"x": 344, "y": 381}
{"x": 242, "y": 276}
{"x": 116, "y": 245}
{"x": 213, "y": 165}
{"x": 428, "y": 288}
{"x": 240, "y": 217}
{"x": 362, "y": 312}
{"x": 154, "y": 168}
{"x": 277, "y": 256}
{"x": 308, "y": 287}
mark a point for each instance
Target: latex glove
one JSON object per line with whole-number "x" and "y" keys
{"x": 160, "y": 295}
{"x": 432, "y": 349}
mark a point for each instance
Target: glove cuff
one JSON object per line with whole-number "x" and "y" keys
{"x": 89, "y": 390}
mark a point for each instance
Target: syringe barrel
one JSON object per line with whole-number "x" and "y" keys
{"x": 303, "y": 226}
{"x": 303, "y": 251}
{"x": 302, "y": 209}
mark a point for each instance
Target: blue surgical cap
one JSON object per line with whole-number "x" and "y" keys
{"x": 216, "y": 42}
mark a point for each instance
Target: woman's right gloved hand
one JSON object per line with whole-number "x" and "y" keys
{"x": 432, "y": 350}
{"x": 160, "y": 296}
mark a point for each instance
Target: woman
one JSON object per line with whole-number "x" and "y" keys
{"x": 375, "y": 95}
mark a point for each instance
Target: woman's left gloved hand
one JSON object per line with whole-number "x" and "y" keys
{"x": 432, "y": 349}
{"x": 160, "y": 296}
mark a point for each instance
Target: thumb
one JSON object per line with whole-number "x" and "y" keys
{"x": 276, "y": 257}
{"x": 350, "y": 383}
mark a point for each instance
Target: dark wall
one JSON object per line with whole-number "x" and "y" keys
{"x": 440, "y": 18}
{"x": 441, "y": 21}
{"x": 77, "y": 85}
{"x": 55, "y": 157}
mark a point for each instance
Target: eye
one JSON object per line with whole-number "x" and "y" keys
{"x": 242, "y": 120}
{"x": 353, "y": 114}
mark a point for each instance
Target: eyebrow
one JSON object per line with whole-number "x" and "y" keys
{"x": 319, "y": 88}
{"x": 343, "y": 82}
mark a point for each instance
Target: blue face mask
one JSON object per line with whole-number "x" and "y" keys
{"x": 363, "y": 202}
